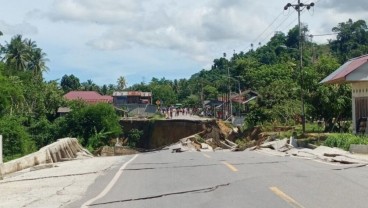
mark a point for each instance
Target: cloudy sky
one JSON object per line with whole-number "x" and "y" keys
{"x": 140, "y": 39}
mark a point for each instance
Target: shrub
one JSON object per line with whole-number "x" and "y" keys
{"x": 95, "y": 124}
{"x": 344, "y": 141}
{"x": 134, "y": 136}
{"x": 16, "y": 140}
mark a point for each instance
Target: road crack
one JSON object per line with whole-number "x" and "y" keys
{"x": 168, "y": 167}
{"x": 259, "y": 163}
{"x": 56, "y": 176}
{"x": 351, "y": 167}
{"x": 201, "y": 190}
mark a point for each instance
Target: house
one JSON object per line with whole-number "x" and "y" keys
{"x": 62, "y": 111}
{"x": 131, "y": 97}
{"x": 244, "y": 97}
{"x": 90, "y": 97}
{"x": 355, "y": 72}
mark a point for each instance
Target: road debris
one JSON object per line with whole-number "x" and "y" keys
{"x": 322, "y": 153}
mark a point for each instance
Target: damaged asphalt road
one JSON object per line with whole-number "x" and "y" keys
{"x": 227, "y": 179}
{"x": 201, "y": 190}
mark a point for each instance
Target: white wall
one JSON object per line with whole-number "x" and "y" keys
{"x": 359, "y": 89}
{"x": 359, "y": 74}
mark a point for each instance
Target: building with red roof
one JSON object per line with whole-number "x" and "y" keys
{"x": 355, "y": 72}
{"x": 90, "y": 97}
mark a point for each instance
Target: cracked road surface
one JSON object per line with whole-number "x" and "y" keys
{"x": 227, "y": 179}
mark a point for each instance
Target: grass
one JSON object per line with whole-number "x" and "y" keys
{"x": 344, "y": 141}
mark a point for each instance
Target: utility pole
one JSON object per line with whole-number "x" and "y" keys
{"x": 239, "y": 97}
{"x": 299, "y": 7}
{"x": 229, "y": 87}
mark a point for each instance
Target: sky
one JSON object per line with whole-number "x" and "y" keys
{"x": 141, "y": 39}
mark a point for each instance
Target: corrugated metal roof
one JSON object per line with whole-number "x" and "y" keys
{"x": 88, "y": 96}
{"x": 132, "y": 93}
{"x": 339, "y": 76}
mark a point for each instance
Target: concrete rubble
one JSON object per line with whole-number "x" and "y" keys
{"x": 192, "y": 144}
{"x": 321, "y": 153}
{"x": 62, "y": 150}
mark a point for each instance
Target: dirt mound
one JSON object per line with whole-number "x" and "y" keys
{"x": 224, "y": 129}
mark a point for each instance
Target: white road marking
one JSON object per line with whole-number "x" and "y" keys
{"x": 110, "y": 185}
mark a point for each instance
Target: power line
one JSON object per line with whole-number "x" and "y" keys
{"x": 278, "y": 26}
{"x": 327, "y": 34}
{"x": 270, "y": 25}
{"x": 255, "y": 40}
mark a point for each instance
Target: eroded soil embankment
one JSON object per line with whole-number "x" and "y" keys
{"x": 159, "y": 133}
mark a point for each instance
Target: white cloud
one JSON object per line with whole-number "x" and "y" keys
{"x": 23, "y": 28}
{"x": 158, "y": 37}
{"x": 186, "y": 27}
{"x": 344, "y": 6}
{"x": 100, "y": 12}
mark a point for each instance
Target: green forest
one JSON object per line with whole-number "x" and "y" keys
{"x": 29, "y": 103}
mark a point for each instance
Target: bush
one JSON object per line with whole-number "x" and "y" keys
{"x": 134, "y": 136}
{"x": 16, "y": 140}
{"x": 95, "y": 124}
{"x": 42, "y": 131}
{"x": 344, "y": 141}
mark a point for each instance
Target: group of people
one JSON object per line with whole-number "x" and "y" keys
{"x": 172, "y": 111}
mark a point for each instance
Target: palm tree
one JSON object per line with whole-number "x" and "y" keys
{"x": 37, "y": 62}
{"x": 122, "y": 84}
{"x": 89, "y": 86}
{"x": 16, "y": 53}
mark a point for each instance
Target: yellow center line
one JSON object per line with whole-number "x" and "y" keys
{"x": 230, "y": 166}
{"x": 206, "y": 155}
{"x": 285, "y": 197}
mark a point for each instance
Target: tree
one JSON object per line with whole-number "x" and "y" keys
{"x": 23, "y": 54}
{"x": 192, "y": 101}
{"x": 89, "y": 86}
{"x": 37, "y": 61}
{"x": 85, "y": 121}
{"x": 134, "y": 136}
{"x": 69, "y": 83}
{"x": 11, "y": 95}
{"x": 53, "y": 98}
{"x": 122, "y": 84}
{"x": 17, "y": 141}
{"x": 165, "y": 93}
{"x": 16, "y": 53}
{"x": 351, "y": 40}
{"x": 328, "y": 101}
{"x": 210, "y": 92}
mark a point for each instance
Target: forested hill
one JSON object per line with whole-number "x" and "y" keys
{"x": 273, "y": 71}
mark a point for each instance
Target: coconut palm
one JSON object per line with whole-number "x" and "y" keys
{"x": 37, "y": 61}
{"x": 122, "y": 83}
{"x": 16, "y": 53}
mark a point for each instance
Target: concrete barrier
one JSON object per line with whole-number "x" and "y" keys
{"x": 61, "y": 150}
{"x": 358, "y": 148}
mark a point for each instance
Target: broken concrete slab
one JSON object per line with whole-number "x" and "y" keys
{"x": 43, "y": 166}
{"x": 55, "y": 152}
{"x": 329, "y": 154}
{"x": 278, "y": 145}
